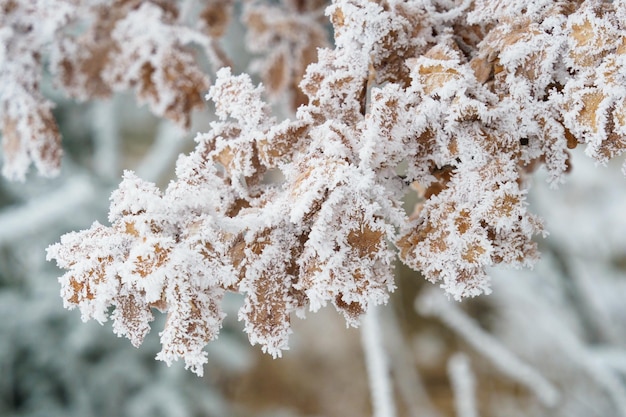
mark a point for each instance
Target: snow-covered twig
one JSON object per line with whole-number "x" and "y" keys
{"x": 613, "y": 358}
{"x": 463, "y": 385}
{"x": 408, "y": 382}
{"x": 377, "y": 365}
{"x": 43, "y": 211}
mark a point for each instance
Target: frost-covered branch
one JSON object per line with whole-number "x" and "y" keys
{"x": 29, "y": 218}
{"x": 463, "y": 385}
{"x": 377, "y": 365}
{"x": 460, "y": 102}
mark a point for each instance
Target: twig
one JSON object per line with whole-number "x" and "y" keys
{"x": 463, "y": 385}
{"x": 43, "y": 211}
{"x": 377, "y": 366}
{"x": 409, "y": 383}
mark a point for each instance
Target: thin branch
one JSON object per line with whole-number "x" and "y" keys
{"x": 46, "y": 210}
{"x": 377, "y": 366}
{"x": 463, "y": 385}
{"x": 409, "y": 383}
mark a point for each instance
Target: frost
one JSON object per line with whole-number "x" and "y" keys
{"x": 459, "y": 101}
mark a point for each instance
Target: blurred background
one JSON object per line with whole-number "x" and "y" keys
{"x": 547, "y": 342}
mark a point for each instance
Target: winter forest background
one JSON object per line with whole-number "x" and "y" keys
{"x": 120, "y": 85}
